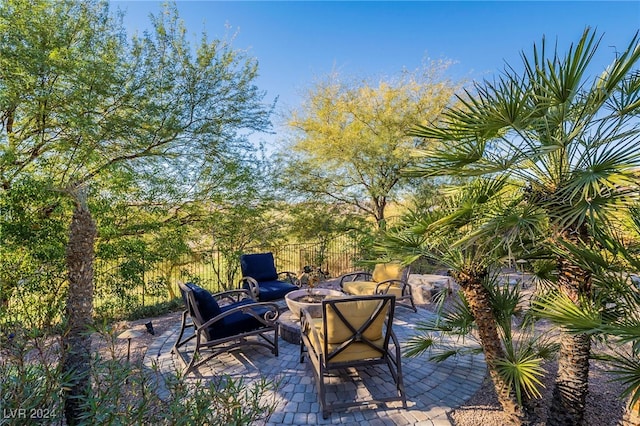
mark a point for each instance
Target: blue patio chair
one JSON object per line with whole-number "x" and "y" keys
{"x": 260, "y": 277}
{"x": 223, "y": 327}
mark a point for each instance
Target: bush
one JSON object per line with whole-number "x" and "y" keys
{"x": 123, "y": 393}
{"x": 32, "y": 380}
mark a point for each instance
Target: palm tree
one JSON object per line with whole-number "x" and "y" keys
{"x": 572, "y": 144}
{"x": 448, "y": 233}
{"x": 613, "y": 315}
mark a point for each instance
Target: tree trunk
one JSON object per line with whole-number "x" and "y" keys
{"x": 480, "y": 304}
{"x": 380, "y": 204}
{"x": 572, "y": 382}
{"x": 77, "y": 341}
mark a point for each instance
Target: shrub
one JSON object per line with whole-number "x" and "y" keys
{"x": 122, "y": 393}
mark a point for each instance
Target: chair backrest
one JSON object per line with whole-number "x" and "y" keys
{"x": 357, "y": 328}
{"x": 390, "y": 271}
{"x": 259, "y": 266}
{"x": 201, "y": 304}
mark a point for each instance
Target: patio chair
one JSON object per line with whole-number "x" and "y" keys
{"x": 260, "y": 277}
{"x": 222, "y": 328}
{"x": 352, "y": 332}
{"x": 386, "y": 278}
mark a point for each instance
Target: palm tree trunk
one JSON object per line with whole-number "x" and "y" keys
{"x": 572, "y": 382}
{"x": 77, "y": 341}
{"x": 480, "y": 305}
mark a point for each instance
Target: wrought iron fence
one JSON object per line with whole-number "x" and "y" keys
{"x": 127, "y": 284}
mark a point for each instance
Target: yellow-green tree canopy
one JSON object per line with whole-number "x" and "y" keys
{"x": 349, "y": 139}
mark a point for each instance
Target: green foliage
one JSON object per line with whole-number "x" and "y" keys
{"x": 124, "y": 393}
{"x": 456, "y": 320}
{"x": 320, "y": 223}
{"x": 349, "y": 139}
{"x": 232, "y": 230}
{"x": 522, "y": 371}
{"x": 32, "y": 248}
{"x": 453, "y": 333}
{"x": 155, "y": 310}
{"x": 569, "y": 143}
{"x": 79, "y": 106}
{"x": 143, "y": 126}
{"x": 506, "y": 304}
{"x": 474, "y": 229}
{"x": 626, "y": 369}
{"x": 32, "y": 378}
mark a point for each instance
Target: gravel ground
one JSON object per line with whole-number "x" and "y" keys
{"x": 603, "y": 406}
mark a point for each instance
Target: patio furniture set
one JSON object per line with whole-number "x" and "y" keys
{"x": 349, "y": 329}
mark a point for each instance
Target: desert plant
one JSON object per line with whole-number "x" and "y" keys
{"x": 572, "y": 143}
{"x": 122, "y": 393}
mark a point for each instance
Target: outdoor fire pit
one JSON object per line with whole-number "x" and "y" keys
{"x": 310, "y": 299}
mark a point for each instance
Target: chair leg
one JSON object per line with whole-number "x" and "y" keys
{"x": 275, "y": 342}
{"x": 183, "y": 326}
{"x": 194, "y": 359}
{"x": 411, "y": 305}
{"x": 322, "y": 393}
{"x": 395, "y": 366}
{"x": 302, "y": 350}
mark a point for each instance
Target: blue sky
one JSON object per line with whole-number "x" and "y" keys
{"x": 297, "y": 42}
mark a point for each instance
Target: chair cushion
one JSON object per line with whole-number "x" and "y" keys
{"x": 387, "y": 271}
{"x": 273, "y": 290}
{"x": 359, "y": 288}
{"x": 205, "y": 302}
{"x": 366, "y": 288}
{"x": 355, "y": 351}
{"x": 237, "y": 322}
{"x": 356, "y": 313}
{"x": 260, "y": 266}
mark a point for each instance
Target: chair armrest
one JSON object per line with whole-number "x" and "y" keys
{"x": 233, "y": 295}
{"x": 395, "y": 359}
{"x": 354, "y": 276}
{"x": 254, "y": 288}
{"x": 268, "y": 318}
{"x": 307, "y": 328}
{"x": 383, "y": 286}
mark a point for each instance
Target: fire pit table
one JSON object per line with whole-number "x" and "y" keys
{"x": 310, "y": 299}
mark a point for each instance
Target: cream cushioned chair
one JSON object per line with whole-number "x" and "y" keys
{"x": 386, "y": 278}
{"x": 353, "y": 332}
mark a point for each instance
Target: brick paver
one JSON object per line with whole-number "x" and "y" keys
{"x": 433, "y": 389}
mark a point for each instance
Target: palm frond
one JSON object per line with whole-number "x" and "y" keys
{"x": 522, "y": 373}
{"x": 439, "y": 348}
{"x": 563, "y": 311}
{"x": 419, "y": 344}
{"x": 505, "y": 302}
{"x": 626, "y": 369}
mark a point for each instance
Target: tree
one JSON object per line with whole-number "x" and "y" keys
{"x": 450, "y": 233}
{"x": 612, "y": 315}
{"x": 32, "y": 251}
{"x": 320, "y": 223}
{"x": 235, "y": 229}
{"x": 350, "y": 140}
{"x": 79, "y": 106}
{"x": 572, "y": 144}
